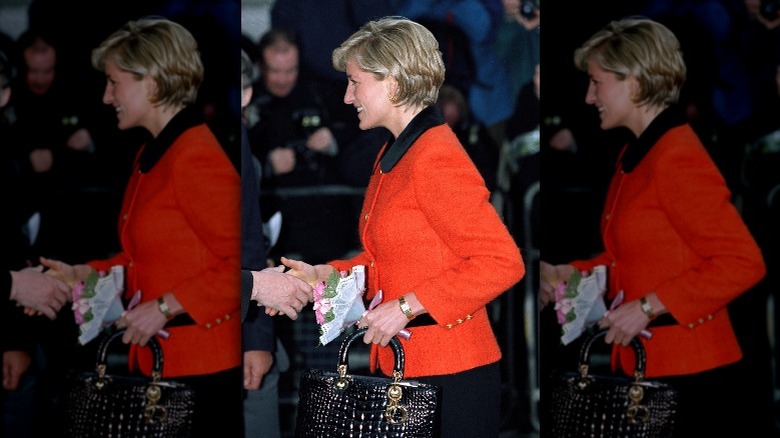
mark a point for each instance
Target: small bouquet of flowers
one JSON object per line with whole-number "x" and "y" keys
{"x": 338, "y": 303}
{"x": 579, "y": 302}
{"x": 97, "y": 302}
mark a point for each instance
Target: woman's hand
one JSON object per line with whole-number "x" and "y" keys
{"x": 387, "y": 319}
{"x": 302, "y": 270}
{"x": 145, "y": 320}
{"x": 550, "y": 276}
{"x": 69, "y": 274}
{"x": 624, "y": 322}
{"x": 306, "y": 272}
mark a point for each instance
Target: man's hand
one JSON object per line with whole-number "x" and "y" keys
{"x": 43, "y": 293}
{"x": 41, "y": 160}
{"x": 276, "y": 290}
{"x": 80, "y": 141}
{"x": 15, "y": 363}
{"x": 282, "y": 160}
{"x": 256, "y": 365}
{"x": 322, "y": 141}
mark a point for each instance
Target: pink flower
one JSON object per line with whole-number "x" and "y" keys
{"x": 80, "y": 308}
{"x": 563, "y": 307}
{"x": 319, "y": 291}
{"x": 321, "y": 308}
{"x": 560, "y": 290}
{"x": 343, "y": 273}
{"x": 322, "y": 305}
{"x": 77, "y": 291}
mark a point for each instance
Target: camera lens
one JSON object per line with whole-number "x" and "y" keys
{"x": 527, "y": 9}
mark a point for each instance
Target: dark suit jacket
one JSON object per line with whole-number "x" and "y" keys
{"x": 257, "y": 328}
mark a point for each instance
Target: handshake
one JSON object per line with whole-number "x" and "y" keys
{"x": 38, "y": 291}
{"x": 281, "y": 292}
{"x": 286, "y": 292}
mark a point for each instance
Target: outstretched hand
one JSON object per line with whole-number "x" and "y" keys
{"x": 302, "y": 270}
{"x": 70, "y": 274}
{"x": 551, "y": 275}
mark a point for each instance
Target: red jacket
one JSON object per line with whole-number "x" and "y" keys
{"x": 668, "y": 226}
{"x": 428, "y": 227}
{"x": 179, "y": 229}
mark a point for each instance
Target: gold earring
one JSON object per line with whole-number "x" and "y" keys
{"x": 393, "y": 98}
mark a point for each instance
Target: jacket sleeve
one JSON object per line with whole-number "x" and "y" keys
{"x": 345, "y": 265}
{"x": 696, "y": 201}
{"x": 106, "y": 264}
{"x": 587, "y": 265}
{"x": 207, "y": 190}
{"x": 489, "y": 259}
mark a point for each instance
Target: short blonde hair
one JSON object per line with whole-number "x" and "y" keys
{"x": 401, "y": 48}
{"x": 639, "y": 47}
{"x": 160, "y": 48}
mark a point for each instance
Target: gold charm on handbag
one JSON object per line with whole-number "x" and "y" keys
{"x": 394, "y": 413}
{"x": 154, "y": 413}
{"x": 637, "y": 413}
{"x": 343, "y": 383}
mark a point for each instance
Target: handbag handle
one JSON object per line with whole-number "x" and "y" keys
{"x": 153, "y": 344}
{"x": 636, "y": 345}
{"x": 395, "y": 344}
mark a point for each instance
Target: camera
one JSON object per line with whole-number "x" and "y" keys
{"x": 528, "y": 8}
{"x": 769, "y": 9}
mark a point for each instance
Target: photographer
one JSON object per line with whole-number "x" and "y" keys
{"x": 289, "y": 123}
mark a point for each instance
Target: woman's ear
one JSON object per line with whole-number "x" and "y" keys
{"x": 151, "y": 88}
{"x": 391, "y": 84}
{"x": 634, "y": 88}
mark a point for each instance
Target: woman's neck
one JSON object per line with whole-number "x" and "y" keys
{"x": 646, "y": 115}
{"x": 164, "y": 115}
{"x": 405, "y": 116}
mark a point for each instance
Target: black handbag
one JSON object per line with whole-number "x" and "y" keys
{"x": 338, "y": 404}
{"x": 99, "y": 404}
{"x": 582, "y": 404}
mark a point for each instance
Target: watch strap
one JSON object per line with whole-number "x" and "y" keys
{"x": 405, "y": 307}
{"x": 647, "y": 308}
{"x": 164, "y": 309}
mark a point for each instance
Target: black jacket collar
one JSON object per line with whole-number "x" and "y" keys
{"x": 427, "y": 118}
{"x": 155, "y": 148}
{"x": 636, "y": 149}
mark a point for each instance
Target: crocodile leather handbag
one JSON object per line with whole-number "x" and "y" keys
{"x": 99, "y": 404}
{"x": 339, "y": 404}
{"x": 582, "y": 404}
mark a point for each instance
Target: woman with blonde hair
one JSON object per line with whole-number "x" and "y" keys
{"x": 673, "y": 242}
{"x": 179, "y": 223}
{"x": 432, "y": 242}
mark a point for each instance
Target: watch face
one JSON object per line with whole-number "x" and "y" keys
{"x": 647, "y": 308}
